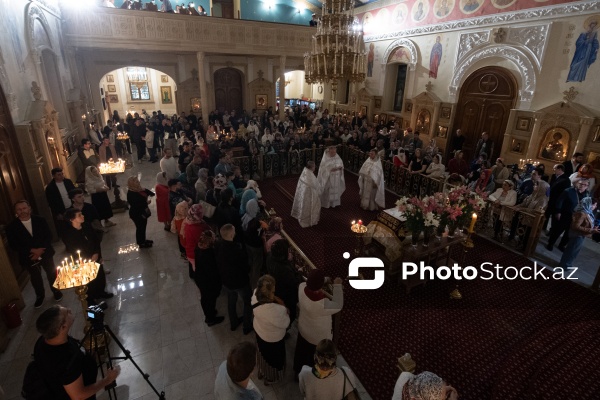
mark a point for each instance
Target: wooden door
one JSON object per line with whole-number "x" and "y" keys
{"x": 484, "y": 104}
{"x": 228, "y": 90}
{"x": 226, "y": 8}
{"x": 13, "y": 181}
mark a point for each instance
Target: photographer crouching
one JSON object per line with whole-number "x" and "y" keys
{"x": 67, "y": 371}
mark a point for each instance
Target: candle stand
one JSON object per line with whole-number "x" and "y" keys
{"x": 360, "y": 230}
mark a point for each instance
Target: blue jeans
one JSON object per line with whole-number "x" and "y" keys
{"x": 571, "y": 251}
{"x": 232, "y": 296}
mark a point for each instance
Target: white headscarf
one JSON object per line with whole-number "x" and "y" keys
{"x": 426, "y": 386}
{"x": 93, "y": 180}
{"x": 252, "y": 210}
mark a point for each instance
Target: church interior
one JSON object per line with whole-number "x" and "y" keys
{"x": 522, "y": 71}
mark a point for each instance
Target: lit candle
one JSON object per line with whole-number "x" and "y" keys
{"x": 360, "y": 222}
{"x": 473, "y": 221}
{"x": 353, "y": 222}
{"x": 79, "y": 254}
{"x": 72, "y": 261}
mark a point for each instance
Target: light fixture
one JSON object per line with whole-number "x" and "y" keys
{"x": 337, "y": 47}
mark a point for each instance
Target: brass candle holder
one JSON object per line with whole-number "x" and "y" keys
{"x": 360, "y": 230}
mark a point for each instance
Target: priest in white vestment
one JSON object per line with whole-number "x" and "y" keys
{"x": 307, "y": 200}
{"x": 370, "y": 182}
{"x": 331, "y": 178}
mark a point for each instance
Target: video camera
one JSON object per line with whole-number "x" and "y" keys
{"x": 95, "y": 314}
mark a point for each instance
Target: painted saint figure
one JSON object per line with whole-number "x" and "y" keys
{"x": 370, "y": 60}
{"x": 435, "y": 58}
{"x": 586, "y": 51}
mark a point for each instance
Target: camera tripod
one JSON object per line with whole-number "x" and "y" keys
{"x": 99, "y": 333}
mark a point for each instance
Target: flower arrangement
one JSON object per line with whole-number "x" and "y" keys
{"x": 420, "y": 214}
{"x": 468, "y": 201}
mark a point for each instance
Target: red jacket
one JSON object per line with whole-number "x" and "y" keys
{"x": 192, "y": 236}
{"x": 163, "y": 212}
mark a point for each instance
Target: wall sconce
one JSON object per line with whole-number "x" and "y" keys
{"x": 50, "y": 141}
{"x": 83, "y": 117}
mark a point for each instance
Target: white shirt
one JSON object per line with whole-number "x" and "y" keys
{"x": 63, "y": 194}
{"x": 169, "y": 165}
{"x": 28, "y": 226}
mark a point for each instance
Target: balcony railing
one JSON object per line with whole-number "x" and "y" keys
{"x": 151, "y": 31}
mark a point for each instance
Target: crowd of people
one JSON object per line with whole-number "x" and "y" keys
{"x": 230, "y": 242}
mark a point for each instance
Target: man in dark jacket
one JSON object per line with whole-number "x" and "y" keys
{"x": 558, "y": 184}
{"x": 573, "y": 164}
{"x": 30, "y": 236}
{"x": 234, "y": 269}
{"x": 563, "y": 213}
{"x": 57, "y": 194}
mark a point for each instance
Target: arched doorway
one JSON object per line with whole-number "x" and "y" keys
{"x": 228, "y": 90}
{"x": 485, "y": 101}
{"x": 13, "y": 182}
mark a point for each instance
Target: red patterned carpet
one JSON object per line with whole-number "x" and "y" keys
{"x": 505, "y": 340}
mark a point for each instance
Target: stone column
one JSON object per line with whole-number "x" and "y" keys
{"x": 584, "y": 134}
{"x": 536, "y": 137}
{"x": 203, "y": 91}
{"x": 281, "y": 87}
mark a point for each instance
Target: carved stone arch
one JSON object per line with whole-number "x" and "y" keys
{"x": 518, "y": 57}
{"x": 36, "y": 44}
{"x": 409, "y": 44}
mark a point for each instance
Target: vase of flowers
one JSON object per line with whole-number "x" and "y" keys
{"x": 420, "y": 215}
{"x": 462, "y": 203}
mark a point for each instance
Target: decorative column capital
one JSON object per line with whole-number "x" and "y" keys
{"x": 200, "y": 56}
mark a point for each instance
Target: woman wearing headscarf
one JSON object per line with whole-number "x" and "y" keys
{"x": 424, "y": 386}
{"x": 314, "y": 319}
{"x": 139, "y": 199}
{"x": 483, "y": 183}
{"x": 194, "y": 227}
{"x": 250, "y": 192}
{"x": 161, "y": 189}
{"x": 322, "y": 378}
{"x": 270, "y": 323}
{"x": 583, "y": 226}
{"x": 181, "y": 211}
{"x": 436, "y": 169}
{"x": 207, "y": 277}
{"x": 201, "y": 185}
{"x": 253, "y": 238}
{"x": 536, "y": 202}
{"x": 585, "y": 172}
{"x": 96, "y": 186}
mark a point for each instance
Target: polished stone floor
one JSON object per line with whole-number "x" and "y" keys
{"x": 155, "y": 313}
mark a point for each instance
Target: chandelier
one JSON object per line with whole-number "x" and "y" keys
{"x": 337, "y": 47}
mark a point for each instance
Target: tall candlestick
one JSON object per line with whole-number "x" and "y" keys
{"x": 72, "y": 261}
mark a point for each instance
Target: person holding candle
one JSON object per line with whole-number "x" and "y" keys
{"x": 29, "y": 235}
{"x": 81, "y": 243}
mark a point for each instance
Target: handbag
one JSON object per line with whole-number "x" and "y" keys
{"x": 207, "y": 208}
{"x": 353, "y": 395}
{"x": 146, "y": 213}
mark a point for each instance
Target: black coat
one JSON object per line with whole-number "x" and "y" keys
{"x": 557, "y": 187}
{"x": 22, "y": 242}
{"x": 84, "y": 240}
{"x": 569, "y": 168}
{"x": 233, "y": 265}
{"x": 138, "y": 202}
{"x": 207, "y": 276}
{"x": 55, "y": 199}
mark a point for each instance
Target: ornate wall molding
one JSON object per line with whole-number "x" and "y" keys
{"x": 35, "y": 13}
{"x": 534, "y": 38}
{"x": 518, "y": 57}
{"x": 409, "y": 44}
{"x": 550, "y": 12}
{"x": 11, "y": 99}
{"x": 468, "y": 41}
{"x": 115, "y": 28}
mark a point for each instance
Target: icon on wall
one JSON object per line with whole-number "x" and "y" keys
{"x": 261, "y": 101}
{"x": 164, "y": 78}
{"x": 113, "y": 98}
{"x": 110, "y": 78}
{"x": 196, "y": 104}
{"x": 586, "y": 50}
{"x": 166, "y": 97}
{"x": 111, "y": 88}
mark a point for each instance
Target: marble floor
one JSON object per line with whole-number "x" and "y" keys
{"x": 155, "y": 313}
